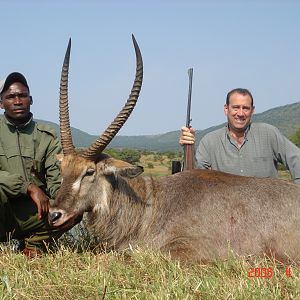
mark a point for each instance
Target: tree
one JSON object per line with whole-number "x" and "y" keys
{"x": 129, "y": 155}
{"x": 295, "y": 138}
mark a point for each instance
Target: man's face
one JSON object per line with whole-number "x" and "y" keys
{"x": 16, "y": 101}
{"x": 239, "y": 112}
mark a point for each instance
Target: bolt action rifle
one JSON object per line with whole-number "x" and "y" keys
{"x": 188, "y": 161}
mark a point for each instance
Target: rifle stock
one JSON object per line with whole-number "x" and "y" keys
{"x": 188, "y": 163}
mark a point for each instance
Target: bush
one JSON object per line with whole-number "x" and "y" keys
{"x": 150, "y": 165}
{"x": 129, "y": 155}
{"x": 295, "y": 138}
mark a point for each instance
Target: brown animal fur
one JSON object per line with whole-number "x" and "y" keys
{"x": 194, "y": 215}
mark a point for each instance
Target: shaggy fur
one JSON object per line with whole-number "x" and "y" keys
{"x": 194, "y": 215}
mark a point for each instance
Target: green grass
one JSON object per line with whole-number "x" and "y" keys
{"x": 161, "y": 164}
{"x": 138, "y": 275}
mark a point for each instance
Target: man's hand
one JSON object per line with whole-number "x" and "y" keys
{"x": 39, "y": 198}
{"x": 187, "y": 136}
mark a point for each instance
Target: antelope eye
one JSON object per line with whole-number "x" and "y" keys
{"x": 89, "y": 172}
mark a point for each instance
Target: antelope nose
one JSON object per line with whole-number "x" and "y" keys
{"x": 54, "y": 216}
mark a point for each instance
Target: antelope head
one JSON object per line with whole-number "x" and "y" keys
{"x": 79, "y": 170}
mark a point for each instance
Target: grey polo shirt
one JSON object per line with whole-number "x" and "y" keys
{"x": 263, "y": 148}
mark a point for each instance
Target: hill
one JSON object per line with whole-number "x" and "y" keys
{"x": 286, "y": 118}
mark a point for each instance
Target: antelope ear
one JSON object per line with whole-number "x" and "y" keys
{"x": 122, "y": 168}
{"x": 131, "y": 172}
{"x": 59, "y": 157}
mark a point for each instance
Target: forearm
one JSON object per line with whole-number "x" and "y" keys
{"x": 293, "y": 165}
{"x": 289, "y": 155}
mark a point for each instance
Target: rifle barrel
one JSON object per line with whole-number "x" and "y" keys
{"x": 188, "y": 114}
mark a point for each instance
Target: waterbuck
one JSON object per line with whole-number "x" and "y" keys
{"x": 196, "y": 215}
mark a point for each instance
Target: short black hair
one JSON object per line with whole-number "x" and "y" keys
{"x": 241, "y": 91}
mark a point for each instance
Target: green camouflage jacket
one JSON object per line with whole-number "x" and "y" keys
{"x": 28, "y": 155}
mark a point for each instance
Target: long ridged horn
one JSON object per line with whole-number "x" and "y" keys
{"x": 93, "y": 151}
{"x": 64, "y": 120}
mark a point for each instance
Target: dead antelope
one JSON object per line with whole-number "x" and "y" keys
{"x": 196, "y": 215}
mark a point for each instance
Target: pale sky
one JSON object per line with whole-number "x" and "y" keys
{"x": 250, "y": 44}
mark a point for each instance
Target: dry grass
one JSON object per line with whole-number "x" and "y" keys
{"x": 138, "y": 275}
{"x": 284, "y": 175}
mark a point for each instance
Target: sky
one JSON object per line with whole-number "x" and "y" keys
{"x": 253, "y": 44}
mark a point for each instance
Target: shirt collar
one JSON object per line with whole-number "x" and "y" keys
{"x": 231, "y": 140}
{"x": 246, "y": 131}
{"x": 11, "y": 122}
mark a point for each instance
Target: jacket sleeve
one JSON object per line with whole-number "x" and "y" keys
{"x": 53, "y": 178}
{"x": 287, "y": 153}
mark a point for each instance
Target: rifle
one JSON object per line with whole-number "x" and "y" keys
{"x": 188, "y": 162}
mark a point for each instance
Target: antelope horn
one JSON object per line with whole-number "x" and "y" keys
{"x": 101, "y": 143}
{"x": 64, "y": 120}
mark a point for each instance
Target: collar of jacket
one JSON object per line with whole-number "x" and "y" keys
{"x": 18, "y": 126}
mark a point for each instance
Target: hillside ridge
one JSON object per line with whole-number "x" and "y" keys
{"x": 286, "y": 118}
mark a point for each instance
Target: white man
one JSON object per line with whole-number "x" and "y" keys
{"x": 242, "y": 147}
